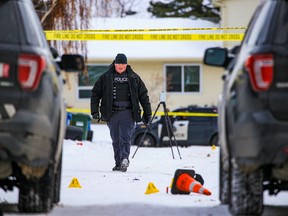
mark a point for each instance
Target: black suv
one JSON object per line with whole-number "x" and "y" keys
{"x": 192, "y": 125}
{"x": 253, "y": 111}
{"x": 32, "y": 111}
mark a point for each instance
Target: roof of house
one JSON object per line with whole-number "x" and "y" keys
{"x": 149, "y": 49}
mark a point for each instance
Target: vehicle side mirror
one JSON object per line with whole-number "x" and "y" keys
{"x": 216, "y": 57}
{"x": 72, "y": 63}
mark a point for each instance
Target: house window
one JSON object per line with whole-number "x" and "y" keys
{"x": 86, "y": 82}
{"x": 183, "y": 78}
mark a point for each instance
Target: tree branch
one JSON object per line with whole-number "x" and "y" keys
{"x": 54, "y": 3}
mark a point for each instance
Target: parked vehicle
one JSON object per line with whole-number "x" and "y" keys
{"x": 253, "y": 111}
{"x": 32, "y": 111}
{"x": 192, "y": 125}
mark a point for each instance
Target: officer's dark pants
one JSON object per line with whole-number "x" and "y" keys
{"x": 121, "y": 127}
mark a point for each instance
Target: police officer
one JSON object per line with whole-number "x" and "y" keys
{"x": 118, "y": 92}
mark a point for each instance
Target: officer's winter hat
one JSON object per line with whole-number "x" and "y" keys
{"x": 121, "y": 59}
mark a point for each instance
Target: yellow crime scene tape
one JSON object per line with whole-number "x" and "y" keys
{"x": 149, "y": 30}
{"x": 125, "y": 34}
{"x": 144, "y": 37}
{"x": 72, "y": 110}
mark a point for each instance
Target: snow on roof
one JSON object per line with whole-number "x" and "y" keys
{"x": 137, "y": 50}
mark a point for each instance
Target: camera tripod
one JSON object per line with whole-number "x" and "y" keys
{"x": 169, "y": 129}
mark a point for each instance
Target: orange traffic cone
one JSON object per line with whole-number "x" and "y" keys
{"x": 184, "y": 183}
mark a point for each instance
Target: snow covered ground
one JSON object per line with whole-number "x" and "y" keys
{"x": 104, "y": 192}
{"x": 92, "y": 164}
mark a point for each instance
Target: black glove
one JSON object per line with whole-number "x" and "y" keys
{"x": 96, "y": 116}
{"x": 199, "y": 178}
{"x": 147, "y": 119}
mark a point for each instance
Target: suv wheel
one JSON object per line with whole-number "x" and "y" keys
{"x": 37, "y": 195}
{"x": 147, "y": 142}
{"x": 224, "y": 187}
{"x": 246, "y": 192}
{"x": 57, "y": 183}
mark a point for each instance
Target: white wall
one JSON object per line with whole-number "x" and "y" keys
{"x": 237, "y": 13}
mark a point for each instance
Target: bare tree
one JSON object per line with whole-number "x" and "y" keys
{"x": 65, "y": 15}
{"x": 115, "y": 8}
{"x": 125, "y": 7}
{"x": 77, "y": 14}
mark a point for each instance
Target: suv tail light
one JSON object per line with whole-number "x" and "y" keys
{"x": 4, "y": 70}
{"x": 260, "y": 68}
{"x": 30, "y": 69}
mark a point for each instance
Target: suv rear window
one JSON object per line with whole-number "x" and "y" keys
{"x": 274, "y": 30}
{"x": 8, "y": 24}
{"x": 282, "y": 23}
{"x": 32, "y": 26}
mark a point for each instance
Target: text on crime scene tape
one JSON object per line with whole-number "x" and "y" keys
{"x": 82, "y": 36}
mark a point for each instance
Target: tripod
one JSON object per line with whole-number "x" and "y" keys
{"x": 168, "y": 125}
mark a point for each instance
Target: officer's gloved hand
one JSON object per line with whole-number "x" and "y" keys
{"x": 199, "y": 178}
{"x": 147, "y": 119}
{"x": 96, "y": 116}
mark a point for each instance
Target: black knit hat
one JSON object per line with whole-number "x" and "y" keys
{"x": 121, "y": 59}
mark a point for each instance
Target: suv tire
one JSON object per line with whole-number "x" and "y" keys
{"x": 224, "y": 177}
{"x": 37, "y": 195}
{"x": 246, "y": 196}
{"x": 57, "y": 182}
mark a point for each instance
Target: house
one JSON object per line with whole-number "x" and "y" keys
{"x": 175, "y": 67}
{"x": 235, "y": 13}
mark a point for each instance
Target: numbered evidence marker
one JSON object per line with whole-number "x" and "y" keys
{"x": 74, "y": 183}
{"x": 151, "y": 188}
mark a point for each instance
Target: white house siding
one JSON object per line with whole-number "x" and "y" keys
{"x": 236, "y": 13}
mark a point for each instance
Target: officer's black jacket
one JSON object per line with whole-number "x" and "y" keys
{"x": 102, "y": 94}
